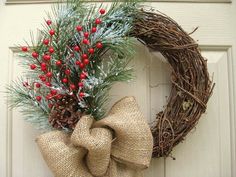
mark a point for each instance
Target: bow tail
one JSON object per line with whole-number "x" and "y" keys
{"x": 61, "y": 156}
{"x": 117, "y": 169}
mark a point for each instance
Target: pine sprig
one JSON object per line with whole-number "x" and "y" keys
{"x": 24, "y": 98}
{"x": 60, "y": 49}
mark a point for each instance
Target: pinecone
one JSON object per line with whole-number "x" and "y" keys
{"x": 64, "y": 113}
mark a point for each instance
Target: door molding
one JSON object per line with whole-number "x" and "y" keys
{"x": 53, "y": 1}
{"x": 227, "y": 48}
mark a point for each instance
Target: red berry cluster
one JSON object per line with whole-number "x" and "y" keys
{"x": 44, "y": 62}
{"x": 85, "y": 57}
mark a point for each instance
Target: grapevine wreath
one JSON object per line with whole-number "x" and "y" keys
{"x": 82, "y": 50}
{"x": 191, "y": 86}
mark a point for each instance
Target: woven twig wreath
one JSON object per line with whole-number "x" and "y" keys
{"x": 191, "y": 86}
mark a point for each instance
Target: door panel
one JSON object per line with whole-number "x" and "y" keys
{"x": 208, "y": 151}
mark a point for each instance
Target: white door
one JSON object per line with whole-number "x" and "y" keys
{"x": 208, "y": 151}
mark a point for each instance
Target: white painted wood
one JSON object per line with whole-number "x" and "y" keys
{"x": 195, "y": 1}
{"x": 26, "y": 158}
{"x": 12, "y": 31}
{"x": 207, "y": 152}
{"x": 51, "y": 1}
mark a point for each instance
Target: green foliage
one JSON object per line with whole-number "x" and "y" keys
{"x": 107, "y": 65}
{"x": 24, "y": 98}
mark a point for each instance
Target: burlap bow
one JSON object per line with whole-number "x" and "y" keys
{"x": 119, "y": 145}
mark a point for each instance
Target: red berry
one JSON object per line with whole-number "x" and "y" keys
{"x": 98, "y": 21}
{"x": 91, "y": 50}
{"x": 58, "y": 63}
{"x": 46, "y": 41}
{"x": 82, "y": 76}
{"x": 49, "y": 22}
{"x": 38, "y": 85}
{"x": 35, "y": 54}
{"x": 48, "y": 84}
{"x": 38, "y": 98}
{"x": 59, "y": 96}
{"x": 33, "y": 66}
{"x": 76, "y": 48}
{"x": 42, "y": 78}
{"x": 80, "y": 84}
{"x": 50, "y": 105}
{"x": 24, "y": 49}
{"x": 99, "y": 45}
{"x": 86, "y": 61}
{"x": 64, "y": 80}
{"x": 49, "y": 74}
{"x": 53, "y": 92}
{"x": 84, "y": 56}
{"x": 51, "y": 32}
{"x": 51, "y": 49}
{"x": 81, "y": 65}
{"x": 102, "y": 11}
{"x": 47, "y": 57}
{"x": 49, "y": 97}
{"x": 94, "y": 29}
{"x": 43, "y": 65}
{"x": 81, "y": 94}
{"x": 85, "y": 41}
{"x": 67, "y": 72}
{"x": 43, "y": 68}
{"x": 86, "y": 34}
{"x": 72, "y": 86}
{"x": 77, "y": 62}
{"x": 79, "y": 28}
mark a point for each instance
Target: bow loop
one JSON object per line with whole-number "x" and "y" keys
{"x": 133, "y": 142}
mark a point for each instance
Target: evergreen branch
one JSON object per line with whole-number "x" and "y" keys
{"x": 33, "y": 112}
{"x": 107, "y": 66}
